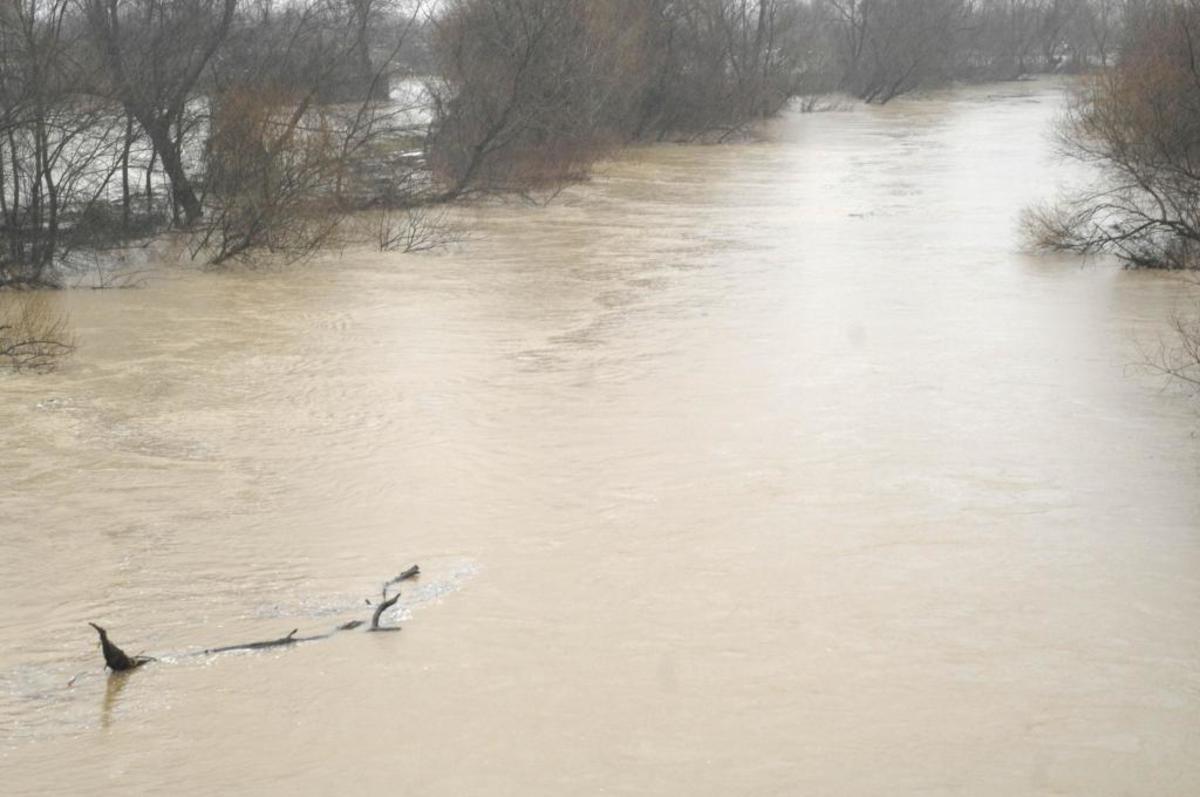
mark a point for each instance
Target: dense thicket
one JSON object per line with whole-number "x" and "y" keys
{"x": 878, "y": 49}
{"x": 532, "y": 91}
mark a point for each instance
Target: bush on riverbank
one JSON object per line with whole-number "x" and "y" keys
{"x": 1138, "y": 124}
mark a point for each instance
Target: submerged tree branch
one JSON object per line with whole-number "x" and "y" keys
{"x": 118, "y": 661}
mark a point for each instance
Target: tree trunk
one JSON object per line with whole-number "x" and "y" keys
{"x": 125, "y": 173}
{"x": 183, "y": 196}
{"x": 150, "y": 179}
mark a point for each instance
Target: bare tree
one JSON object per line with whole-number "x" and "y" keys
{"x": 714, "y": 66}
{"x": 155, "y": 54}
{"x": 520, "y": 95}
{"x": 1007, "y": 35}
{"x": 1139, "y": 125}
{"x": 1094, "y": 33}
{"x": 58, "y": 146}
{"x": 890, "y": 47}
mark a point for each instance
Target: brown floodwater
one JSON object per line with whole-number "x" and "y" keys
{"x": 770, "y": 468}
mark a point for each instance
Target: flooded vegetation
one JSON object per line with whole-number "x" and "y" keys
{"x": 776, "y": 467}
{"x": 773, "y": 405}
{"x": 249, "y": 130}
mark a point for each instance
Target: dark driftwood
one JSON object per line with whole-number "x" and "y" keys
{"x": 411, "y": 572}
{"x": 387, "y": 602}
{"x": 290, "y": 639}
{"x": 117, "y": 660}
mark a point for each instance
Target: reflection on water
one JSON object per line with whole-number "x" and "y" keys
{"x": 113, "y": 686}
{"x": 771, "y": 468}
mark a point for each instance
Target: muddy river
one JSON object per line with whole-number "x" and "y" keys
{"x": 774, "y": 468}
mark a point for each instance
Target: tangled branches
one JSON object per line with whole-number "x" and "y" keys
{"x": 33, "y": 333}
{"x": 1139, "y": 124}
